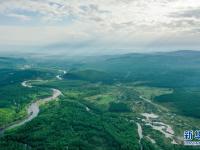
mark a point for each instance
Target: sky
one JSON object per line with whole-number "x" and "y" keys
{"x": 99, "y": 26}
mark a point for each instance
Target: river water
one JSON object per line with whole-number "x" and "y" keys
{"x": 33, "y": 110}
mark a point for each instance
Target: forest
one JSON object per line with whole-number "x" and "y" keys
{"x": 102, "y": 103}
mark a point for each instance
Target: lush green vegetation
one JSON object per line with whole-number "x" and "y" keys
{"x": 174, "y": 69}
{"x": 14, "y": 97}
{"x": 103, "y": 99}
{"x": 15, "y": 76}
{"x": 79, "y": 121}
{"x": 90, "y": 75}
{"x": 119, "y": 107}
{"x": 67, "y": 124}
{"x": 8, "y": 62}
{"x": 185, "y": 101}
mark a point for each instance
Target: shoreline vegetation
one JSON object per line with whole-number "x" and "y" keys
{"x": 32, "y": 109}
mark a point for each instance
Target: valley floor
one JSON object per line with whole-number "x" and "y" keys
{"x": 93, "y": 115}
{"x": 100, "y": 116}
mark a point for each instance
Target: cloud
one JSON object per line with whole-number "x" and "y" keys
{"x": 106, "y": 23}
{"x": 139, "y": 12}
{"x": 19, "y": 16}
{"x": 194, "y": 13}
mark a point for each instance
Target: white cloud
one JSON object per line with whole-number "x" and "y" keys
{"x": 19, "y": 16}
{"x": 112, "y": 23}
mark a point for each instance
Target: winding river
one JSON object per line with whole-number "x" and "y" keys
{"x": 33, "y": 109}
{"x": 140, "y": 135}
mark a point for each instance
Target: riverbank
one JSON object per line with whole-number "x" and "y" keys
{"x": 33, "y": 110}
